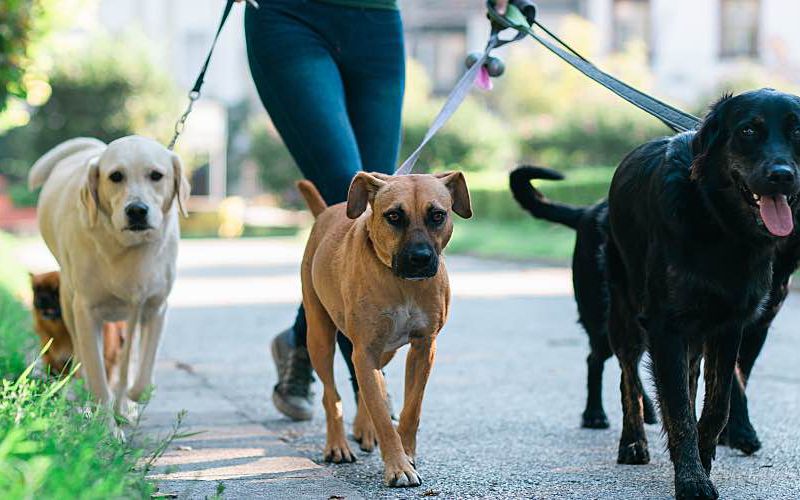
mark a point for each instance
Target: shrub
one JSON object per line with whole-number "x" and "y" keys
{"x": 95, "y": 93}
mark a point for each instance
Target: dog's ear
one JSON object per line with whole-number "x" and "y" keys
{"x": 362, "y": 191}
{"x": 710, "y": 135}
{"x": 457, "y": 185}
{"x": 89, "y": 196}
{"x": 181, "y": 189}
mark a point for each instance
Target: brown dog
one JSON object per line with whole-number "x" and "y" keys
{"x": 48, "y": 324}
{"x": 373, "y": 270}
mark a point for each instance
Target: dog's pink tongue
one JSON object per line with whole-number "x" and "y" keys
{"x": 776, "y": 214}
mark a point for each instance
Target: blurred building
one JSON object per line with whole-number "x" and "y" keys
{"x": 692, "y": 44}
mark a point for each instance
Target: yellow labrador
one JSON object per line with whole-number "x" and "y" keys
{"x": 109, "y": 214}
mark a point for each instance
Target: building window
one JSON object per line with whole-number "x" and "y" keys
{"x": 631, "y": 20}
{"x": 739, "y": 28}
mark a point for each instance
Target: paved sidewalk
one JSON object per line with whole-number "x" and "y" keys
{"x": 501, "y": 413}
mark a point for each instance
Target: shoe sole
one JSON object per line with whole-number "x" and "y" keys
{"x": 289, "y": 410}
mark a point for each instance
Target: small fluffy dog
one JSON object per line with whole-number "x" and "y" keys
{"x": 49, "y": 324}
{"x": 109, "y": 214}
{"x": 372, "y": 269}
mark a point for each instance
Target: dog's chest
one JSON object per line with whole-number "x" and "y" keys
{"x": 406, "y": 319}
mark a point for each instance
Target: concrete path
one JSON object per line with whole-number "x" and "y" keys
{"x": 501, "y": 414}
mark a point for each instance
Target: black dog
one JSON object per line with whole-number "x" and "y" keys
{"x": 590, "y": 285}
{"x": 588, "y": 279}
{"x": 695, "y": 225}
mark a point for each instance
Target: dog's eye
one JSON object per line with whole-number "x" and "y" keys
{"x": 796, "y": 134}
{"x": 437, "y": 217}
{"x": 156, "y": 176}
{"x": 748, "y": 132}
{"x": 116, "y": 177}
{"x": 393, "y": 217}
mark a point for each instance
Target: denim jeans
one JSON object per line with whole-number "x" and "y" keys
{"x": 331, "y": 78}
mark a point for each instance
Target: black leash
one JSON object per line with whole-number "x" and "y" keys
{"x": 194, "y": 94}
{"x": 521, "y": 16}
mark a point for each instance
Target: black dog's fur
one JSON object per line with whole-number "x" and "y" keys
{"x": 690, "y": 267}
{"x": 588, "y": 279}
{"x": 590, "y": 285}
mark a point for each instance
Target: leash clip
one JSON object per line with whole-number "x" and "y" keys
{"x": 517, "y": 13}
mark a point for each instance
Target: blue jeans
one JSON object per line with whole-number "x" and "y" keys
{"x": 332, "y": 79}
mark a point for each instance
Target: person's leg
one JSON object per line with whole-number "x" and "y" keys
{"x": 373, "y": 71}
{"x": 300, "y": 85}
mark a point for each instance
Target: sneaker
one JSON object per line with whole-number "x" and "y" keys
{"x": 292, "y": 395}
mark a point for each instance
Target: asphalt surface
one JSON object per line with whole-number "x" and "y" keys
{"x": 501, "y": 411}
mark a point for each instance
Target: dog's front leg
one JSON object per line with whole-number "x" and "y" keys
{"x": 721, "y": 353}
{"x": 669, "y": 351}
{"x": 398, "y": 468}
{"x": 88, "y": 337}
{"x": 122, "y": 404}
{"x": 153, "y": 318}
{"x": 418, "y": 367}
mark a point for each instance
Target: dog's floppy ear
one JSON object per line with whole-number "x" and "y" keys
{"x": 710, "y": 135}
{"x": 181, "y": 189}
{"x": 457, "y": 185}
{"x": 362, "y": 191}
{"x": 89, "y": 196}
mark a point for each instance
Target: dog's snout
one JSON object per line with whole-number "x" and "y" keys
{"x": 136, "y": 212}
{"x": 781, "y": 175}
{"x": 421, "y": 255}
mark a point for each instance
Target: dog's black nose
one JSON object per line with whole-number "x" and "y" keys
{"x": 781, "y": 175}
{"x": 421, "y": 255}
{"x": 136, "y": 212}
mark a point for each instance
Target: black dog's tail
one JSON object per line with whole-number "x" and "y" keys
{"x": 534, "y": 202}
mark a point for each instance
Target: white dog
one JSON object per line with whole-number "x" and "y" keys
{"x": 109, "y": 214}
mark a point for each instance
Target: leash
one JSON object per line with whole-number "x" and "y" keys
{"x": 194, "y": 94}
{"x": 521, "y": 16}
{"x": 457, "y": 95}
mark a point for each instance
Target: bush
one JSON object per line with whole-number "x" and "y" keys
{"x": 491, "y": 198}
{"x": 95, "y": 93}
{"x": 276, "y": 167}
{"x": 474, "y": 139}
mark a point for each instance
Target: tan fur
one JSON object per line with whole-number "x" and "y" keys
{"x": 60, "y": 352}
{"x": 111, "y": 271}
{"x": 349, "y": 285}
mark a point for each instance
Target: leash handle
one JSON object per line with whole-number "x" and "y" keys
{"x": 194, "y": 94}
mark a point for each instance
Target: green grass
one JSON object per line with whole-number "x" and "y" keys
{"x": 502, "y": 229}
{"x": 525, "y": 239}
{"x": 54, "y": 442}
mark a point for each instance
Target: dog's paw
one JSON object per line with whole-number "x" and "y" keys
{"x": 635, "y": 453}
{"x": 595, "y": 419}
{"x": 364, "y": 432}
{"x": 339, "y": 453}
{"x": 127, "y": 410}
{"x": 696, "y": 488}
{"x": 741, "y": 437}
{"x": 401, "y": 474}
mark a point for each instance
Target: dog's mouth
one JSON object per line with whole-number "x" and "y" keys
{"x": 137, "y": 228}
{"x": 774, "y": 211}
{"x": 414, "y": 273}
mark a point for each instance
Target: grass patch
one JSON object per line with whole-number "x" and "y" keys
{"x": 523, "y": 239}
{"x": 54, "y": 442}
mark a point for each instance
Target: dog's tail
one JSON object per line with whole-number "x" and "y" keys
{"x": 535, "y": 202}
{"x": 44, "y": 165}
{"x": 313, "y": 199}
